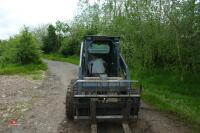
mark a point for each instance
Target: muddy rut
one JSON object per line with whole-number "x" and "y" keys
{"x": 47, "y": 114}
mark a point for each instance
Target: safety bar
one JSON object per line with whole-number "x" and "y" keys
{"x": 108, "y": 96}
{"x": 106, "y": 81}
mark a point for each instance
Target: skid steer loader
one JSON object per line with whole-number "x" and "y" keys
{"x": 103, "y": 90}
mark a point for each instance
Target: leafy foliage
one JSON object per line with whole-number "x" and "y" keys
{"x": 155, "y": 35}
{"x": 50, "y": 42}
{"x": 67, "y": 47}
{"x": 20, "y": 50}
{"x": 40, "y": 32}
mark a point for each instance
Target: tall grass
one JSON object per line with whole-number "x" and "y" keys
{"x": 22, "y": 69}
{"x": 166, "y": 92}
{"x": 58, "y": 57}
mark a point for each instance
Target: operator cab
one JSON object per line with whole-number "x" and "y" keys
{"x": 101, "y": 56}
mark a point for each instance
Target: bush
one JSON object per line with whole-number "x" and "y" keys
{"x": 7, "y": 52}
{"x": 66, "y": 50}
{"x": 70, "y": 47}
{"x": 26, "y": 49}
{"x": 1, "y": 47}
{"x": 20, "y": 49}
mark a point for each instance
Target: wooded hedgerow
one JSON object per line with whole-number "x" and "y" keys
{"x": 155, "y": 34}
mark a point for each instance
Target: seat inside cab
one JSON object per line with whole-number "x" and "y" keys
{"x": 102, "y": 60}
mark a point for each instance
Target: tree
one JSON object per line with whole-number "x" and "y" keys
{"x": 40, "y": 32}
{"x": 50, "y": 42}
{"x": 155, "y": 35}
{"x": 62, "y": 29}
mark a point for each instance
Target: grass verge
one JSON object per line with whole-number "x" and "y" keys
{"x": 166, "y": 92}
{"x": 57, "y": 57}
{"x": 22, "y": 69}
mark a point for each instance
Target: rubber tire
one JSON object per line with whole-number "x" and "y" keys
{"x": 70, "y": 108}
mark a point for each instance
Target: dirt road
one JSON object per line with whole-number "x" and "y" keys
{"x": 47, "y": 110}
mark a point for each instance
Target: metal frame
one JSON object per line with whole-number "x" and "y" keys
{"x": 87, "y": 97}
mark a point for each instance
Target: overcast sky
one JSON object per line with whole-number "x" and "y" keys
{"x": 16, "y": 13}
